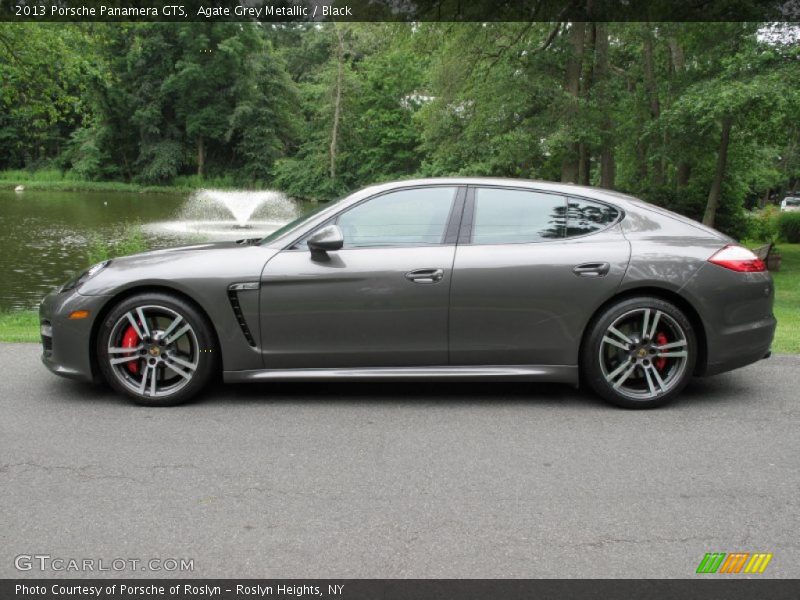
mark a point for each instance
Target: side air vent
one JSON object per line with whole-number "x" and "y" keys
{"x": 233, "y": 296}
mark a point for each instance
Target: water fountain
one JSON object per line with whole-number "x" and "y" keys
{"x": 229, "y": 215}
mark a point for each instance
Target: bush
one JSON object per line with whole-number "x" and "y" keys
{"x": 762, "y": 226}
{"x": 123, "y": 241}
{"x": 789, "y": 227}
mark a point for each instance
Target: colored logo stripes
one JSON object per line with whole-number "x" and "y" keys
{"x": 734, "y": 562}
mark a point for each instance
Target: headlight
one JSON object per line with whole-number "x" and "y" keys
{"x": 84, "y": 276}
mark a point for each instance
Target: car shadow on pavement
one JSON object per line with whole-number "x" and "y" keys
{"x": 722, "y": 389}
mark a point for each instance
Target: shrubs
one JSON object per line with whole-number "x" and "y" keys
{"x": 762, "y": 226}
{"x": 122, "y": 241}
{"x": 789, "y": 227}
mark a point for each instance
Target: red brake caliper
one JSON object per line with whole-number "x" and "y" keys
{"x": 661, "y": 339}
{"x": 131, "y": 340}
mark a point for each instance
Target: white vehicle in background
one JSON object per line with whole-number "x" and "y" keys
{"x": 790, "y": 204}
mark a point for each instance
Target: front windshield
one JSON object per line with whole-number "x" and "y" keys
{"x": 296, "y": 223}
{"x": 792, "y": 201}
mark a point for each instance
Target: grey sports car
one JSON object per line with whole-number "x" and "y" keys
{"x": 456, "y": 278}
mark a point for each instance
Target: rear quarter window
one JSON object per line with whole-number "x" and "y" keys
{"x": 584, "y": 217}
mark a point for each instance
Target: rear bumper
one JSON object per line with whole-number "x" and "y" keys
{"x": 66, "y": 343}
{"x": 742, "y": 347}
{"x": 736, "y": 310}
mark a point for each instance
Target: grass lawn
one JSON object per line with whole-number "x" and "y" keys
{"x": 19, "y": 326}
{"x": 24, "y": 326}
{"x": 787, "y": 301}
{"x": 53, "y": 180}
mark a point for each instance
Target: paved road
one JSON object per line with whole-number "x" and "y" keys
{"x": 412, "y": 480}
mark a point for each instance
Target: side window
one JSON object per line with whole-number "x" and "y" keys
{"x": 505, "y": 216}
{"x": 587, "y": 217}
{"x": 413, "y": 217}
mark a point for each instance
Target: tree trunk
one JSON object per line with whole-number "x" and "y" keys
{"x": 684, "y": 172}
{"x": 764, "y": 198}
{"x": 651, "y": 89}
{"x": 572, "y": 85}
{"x": 679, "y": 64}
{"x": 201, "y": 156}
{"x": 607, "y": 164}
{"x": 719, "y": 175}
{"x": 337, "y": 106}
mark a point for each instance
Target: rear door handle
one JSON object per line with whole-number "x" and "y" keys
{"x": 425, "y": 275}
{"x": 594, "y": 269}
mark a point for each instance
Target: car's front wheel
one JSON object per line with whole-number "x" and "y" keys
{"x": 157, "y": 349}
{"x": 639, "y": 353}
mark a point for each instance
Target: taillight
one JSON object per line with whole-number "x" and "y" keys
{"x": 738, "y": 258}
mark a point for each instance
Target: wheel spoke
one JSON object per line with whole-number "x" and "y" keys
{"x": 657, "y": 377}
{"x": 143, "y": 382}
{"x": 143, "y": 321}
{"x": 620, "y": 335}
{"x": 608, "y": 340}
{"x": 134, "y": 324}
{"x": 625, "y": 376}
{"x": 171, "y": 327}
{"x": 680, "y": 354}
{"x": 153, "y": 373}
{"x": 125, "y": 350}
{"x": 182, "y": 373}
{"x": 183, "y": 363}
{"x": 654, "y": 326}
{"x": 124, "y": 359}
{"x": 649, "y": 379}
{"x": 178, "y": 334}
{"x": 677, "y": 344}
{"x": 645, "y": 322}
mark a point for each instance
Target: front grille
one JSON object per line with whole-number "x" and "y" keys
{"x": 233, "y": 296}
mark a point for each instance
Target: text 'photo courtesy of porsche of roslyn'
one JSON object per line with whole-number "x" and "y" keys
{"x": 372, "y": 299}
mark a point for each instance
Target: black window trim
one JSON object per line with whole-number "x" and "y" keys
{"x": 451, "y": 225}
{"x": 468, "y": 220}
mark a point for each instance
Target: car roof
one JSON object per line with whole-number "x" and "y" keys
{"x": 533, "y": 184}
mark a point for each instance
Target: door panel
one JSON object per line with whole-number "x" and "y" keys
{"x": 525, "y": 303}
{"x": 358, "y": 309}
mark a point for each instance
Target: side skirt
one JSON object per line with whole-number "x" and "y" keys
{"x": 554, "y": 373}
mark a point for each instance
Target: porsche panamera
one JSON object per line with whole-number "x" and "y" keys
{"x": 441, "y": 278}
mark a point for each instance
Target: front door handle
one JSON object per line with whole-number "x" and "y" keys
{"x": 425, "y": 275}
{"x": 594, "y": 269}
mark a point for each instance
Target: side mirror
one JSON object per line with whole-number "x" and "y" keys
{"x": 326, "y": 239}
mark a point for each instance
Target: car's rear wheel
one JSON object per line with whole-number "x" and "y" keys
{"x": 157, "y": 349}
{"x": 639, "y": 353}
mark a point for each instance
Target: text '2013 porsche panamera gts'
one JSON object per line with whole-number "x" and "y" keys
{"x": 456, "y": 278}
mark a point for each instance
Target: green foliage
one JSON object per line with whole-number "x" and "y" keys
{"x": 789, "y": 227}
{"x": 762, "y": 226}
{"x": 122, "y": 241}
{"x": 318, "y": 110}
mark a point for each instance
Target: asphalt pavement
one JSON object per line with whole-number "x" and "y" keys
{"x": 399, "y": 480}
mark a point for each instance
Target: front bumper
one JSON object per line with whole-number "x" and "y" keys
{"x": 66, "y": 343}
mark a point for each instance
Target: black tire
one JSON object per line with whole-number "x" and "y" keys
{"x": 195, "y": 348}
{"x": 655, "y": 375}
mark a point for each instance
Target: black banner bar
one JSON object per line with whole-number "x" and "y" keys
{"x": 269, "y": 11}
{"x": 702, "y": 588}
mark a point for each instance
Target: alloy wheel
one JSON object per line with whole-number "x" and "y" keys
{"x": 644, "y": 353}
{"x": 153, "y": 351}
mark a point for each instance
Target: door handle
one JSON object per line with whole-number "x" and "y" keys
{"x": 594, "y": 269}
{"x": 425, "y": 275}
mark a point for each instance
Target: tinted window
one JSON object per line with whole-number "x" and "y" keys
{"x": 515, "y": 216}
{"x": 586, "y": 217}
{"x": 404, "y": 218}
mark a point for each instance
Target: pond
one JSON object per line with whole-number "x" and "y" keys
{"x": 45, "y": 235}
